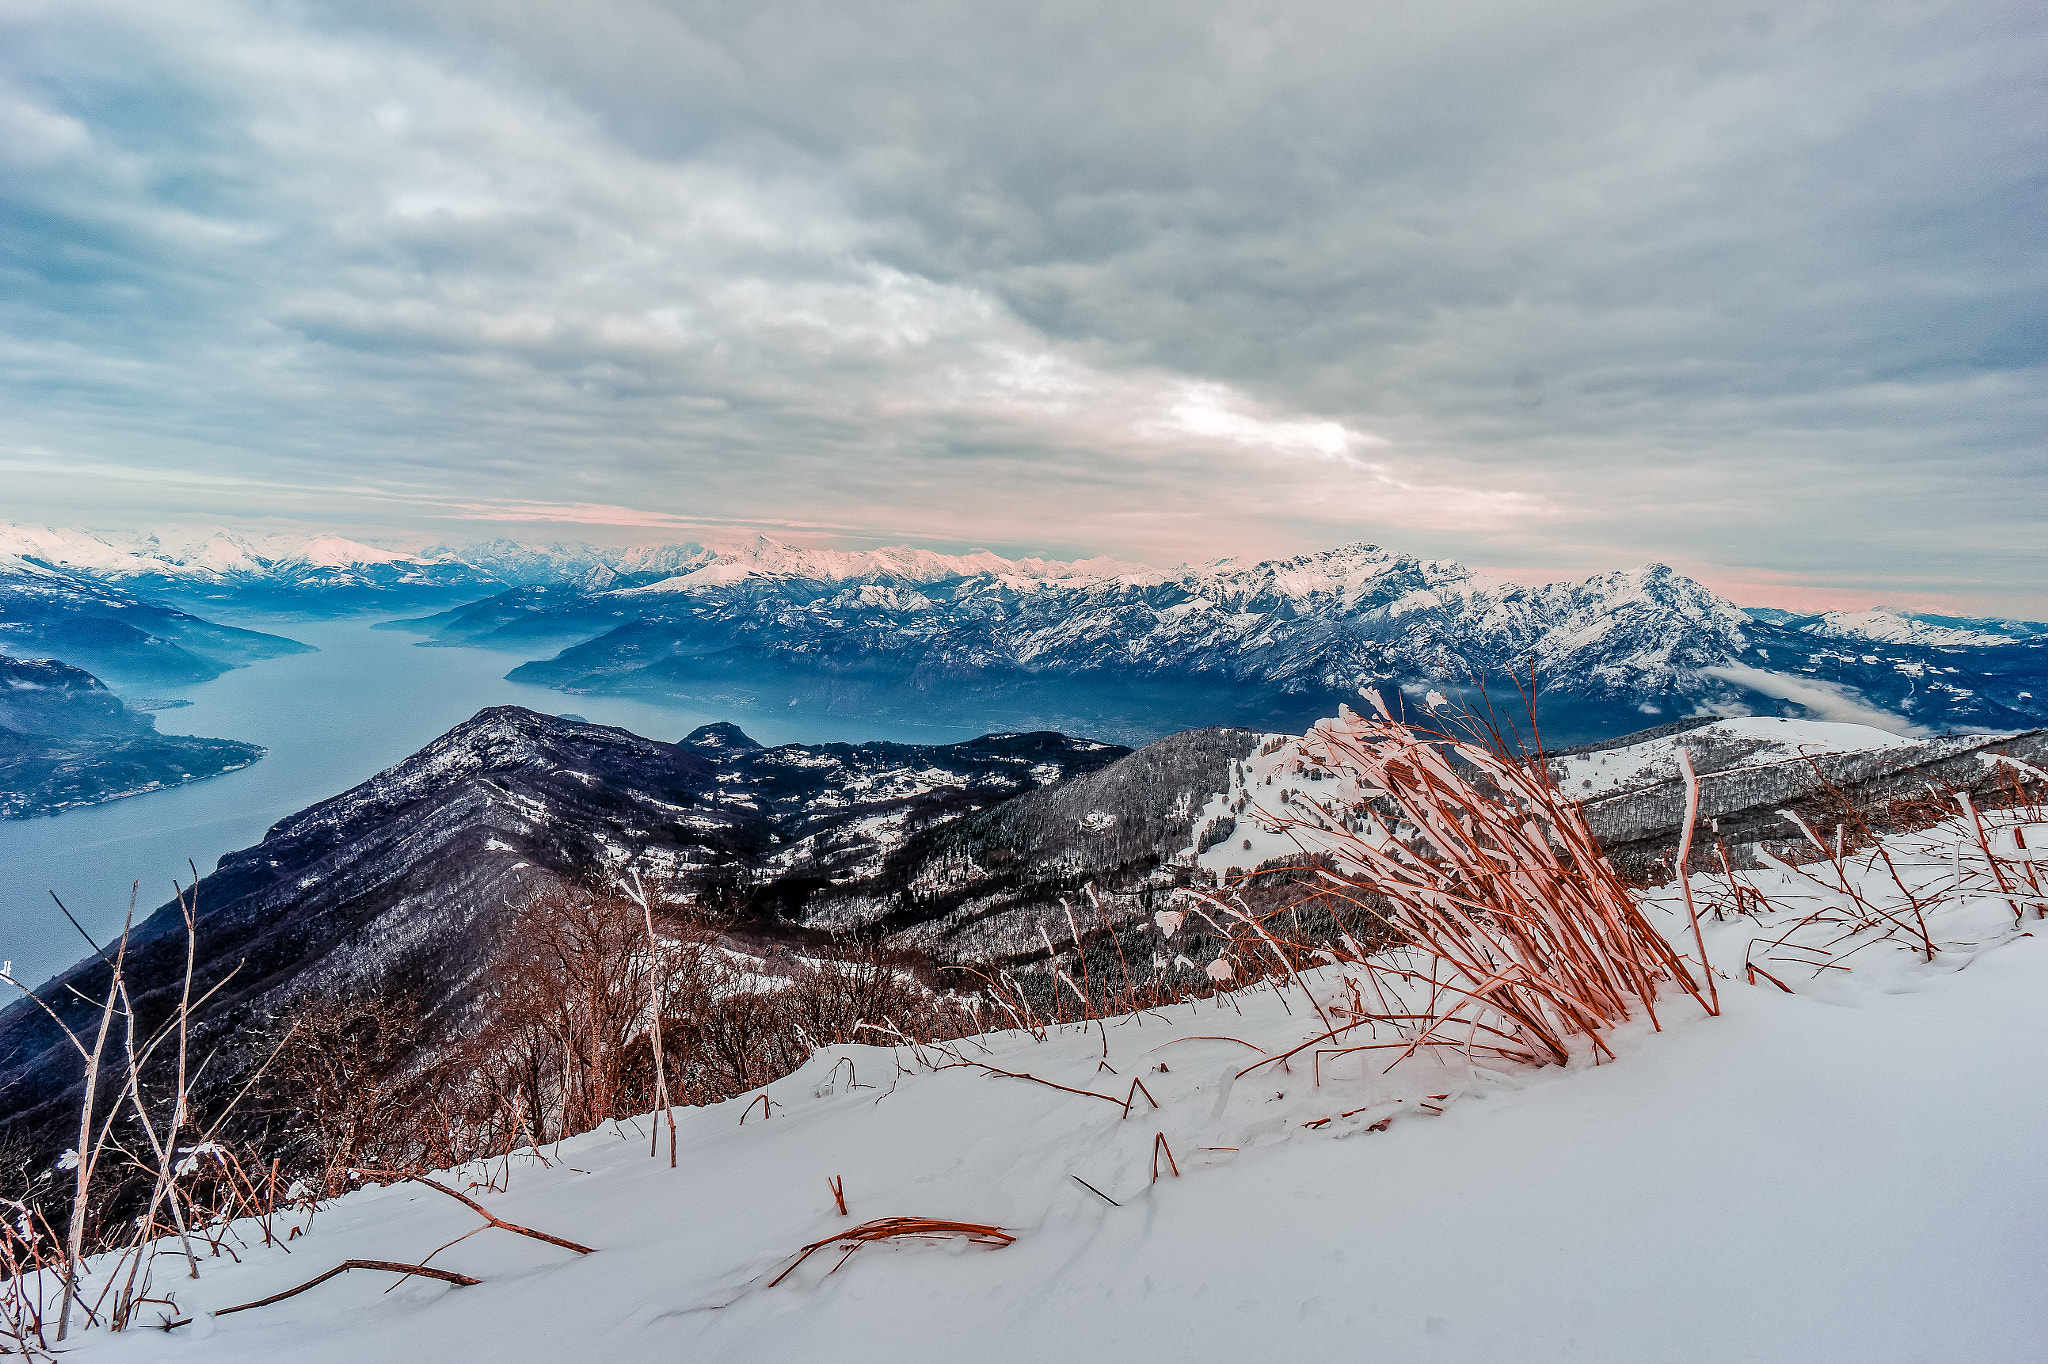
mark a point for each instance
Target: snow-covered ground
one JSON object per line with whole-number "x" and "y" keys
{"x": 1848, "y": 1172}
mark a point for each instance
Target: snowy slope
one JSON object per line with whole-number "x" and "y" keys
{"x": 217, "y": 558}
{"x": 117, "y": 634}
{"x": 1896, "y": 628}
{"x": 1752, "y": 741}
{"x": 1274, "y": 779}
{"x": 1837, "y": 1174}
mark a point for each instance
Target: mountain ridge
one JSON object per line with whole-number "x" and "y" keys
{"x": 1267, "y": 645}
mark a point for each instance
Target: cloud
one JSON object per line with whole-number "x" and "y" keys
{"x": 1560, "y": 288}
{"x": 1827, "y": 700}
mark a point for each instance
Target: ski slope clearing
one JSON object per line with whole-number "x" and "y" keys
{"x": 1843, "y": 1172}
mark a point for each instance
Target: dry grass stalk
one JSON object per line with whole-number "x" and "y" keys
{"x": 891, "y": 1228}
{"x": 1097, "y": 1192}
{"x": 1692, "y": 913}
{"x": 199, "y": 1202}
{"x": 1852, "y": 916}
{"x": 1065, "y": 1089}
{"x": 1502, "y": 909}
{"x": 1159, "y": 1148}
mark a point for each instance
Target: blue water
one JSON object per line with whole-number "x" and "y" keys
{"x": 330, "y": 719}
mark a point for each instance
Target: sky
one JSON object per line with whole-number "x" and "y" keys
{"x": 1756, "y": 290}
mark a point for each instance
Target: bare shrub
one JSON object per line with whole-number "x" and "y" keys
{"x": 567, "y": 1003}
{"x": 348, "y": 1069}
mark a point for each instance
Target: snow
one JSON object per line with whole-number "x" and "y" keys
{"x": 1844, "y": 1173}
{"x": 1279, "y": 783}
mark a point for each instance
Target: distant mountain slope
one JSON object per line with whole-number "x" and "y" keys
{"x": 118, "y": 636}
{"x": 66, "y": 741}
{"x": 1755, "y": 774}
{"x": 1753, "y": 771}
{"x": 977, "y": 888}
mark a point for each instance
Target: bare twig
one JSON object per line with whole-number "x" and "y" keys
{"x": 388, "y": 1266}
{"x": 479, "y": 1209}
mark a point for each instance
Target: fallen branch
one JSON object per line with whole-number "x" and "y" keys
{"x": 1754, "y": 971}
{"x": 1097, "y": 1192}
{"x": 1086, "y": 1093}
{"x": 885, "y": 1228}
{"x": 479, "y": 1209}
{"x": 1206, "y": 1038}
{"x": 388, "y": 1266}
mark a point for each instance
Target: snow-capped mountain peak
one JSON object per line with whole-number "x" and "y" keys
{"x": 1896, "y": 628}
{"x": 763, "y": 557}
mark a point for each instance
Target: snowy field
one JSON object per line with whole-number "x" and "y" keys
{"x": 1847, "y": 1172}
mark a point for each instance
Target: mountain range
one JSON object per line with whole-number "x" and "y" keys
{"x": 1111, "y": 649}
{"x": 1131, "y": 654}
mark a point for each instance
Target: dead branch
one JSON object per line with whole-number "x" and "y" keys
{"x": 388, "y": 1266}
{"x": 479, "y": 1209}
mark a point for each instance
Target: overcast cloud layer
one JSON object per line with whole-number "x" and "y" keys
{"x": 1755, "y": 290}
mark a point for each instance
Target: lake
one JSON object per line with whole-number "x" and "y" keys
{"x": 330, "y": 719}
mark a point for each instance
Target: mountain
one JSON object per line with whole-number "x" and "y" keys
{"x": 979, "y": 888}
{"x": 51, "y": 612}
{"x": 1270, "y": 645}
{"x": 406, "y": 877}
{"x": 66, "y": 741}
{"x": 320, "y": 573}
{"x": 1914, "y": 627}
